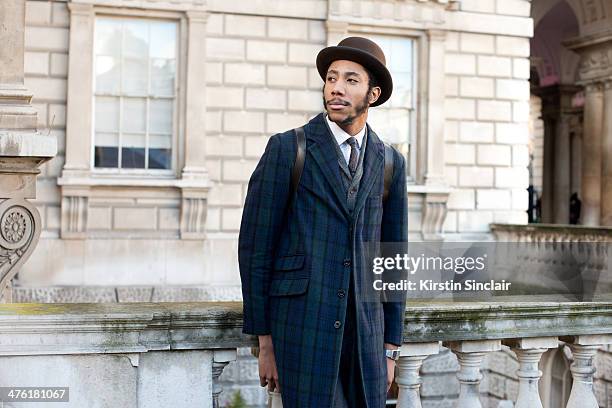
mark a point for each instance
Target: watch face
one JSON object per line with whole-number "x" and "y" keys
{"x": 392, "y": 354}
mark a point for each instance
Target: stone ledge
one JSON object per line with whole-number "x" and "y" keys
{"x": 41, "y": 329}
{"x": 516, "y": 318}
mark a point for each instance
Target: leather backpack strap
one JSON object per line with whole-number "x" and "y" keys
{"x": 388, "y": 170}
{"x": 298, "y": 165}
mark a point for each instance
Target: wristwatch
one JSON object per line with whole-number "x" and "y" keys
{"x": 392, "y": 354}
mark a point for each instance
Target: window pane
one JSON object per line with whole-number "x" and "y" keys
{"x": 105, "y": 156}
{"x": 107, "y": 139}
{"x": 159, "y": 158}
{"x": 108, "y": 74}
{"x": 133, "y": 151}
{"x": 133, "y": 158}
{"x": 136, "y": 39}
{"x": 160, "y": 148}
{"x": 402, "y": 91}
{"x": 134, "y": 115}
{"x": 106, "y": 151}
{"x": 399, "y": 58}
{"x": 163, "y": 72}
{"x": 163, "y": 40}
{"x": 133, "y": 140}
{"x": 160, "y": 116}
{"x": 107, "y": 114}
{"x": 135, "y": 77}
{"x": 108, "y": 37}
{"x": 392, "y": 124}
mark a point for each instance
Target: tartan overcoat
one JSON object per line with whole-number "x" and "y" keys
{"x": 295, "y": 266}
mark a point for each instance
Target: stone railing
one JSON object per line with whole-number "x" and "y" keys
{"x": 550, "y": 258}
{"x": 124, "y": 354}
{"x": 172, "y": 354}
{"x": 471, "y": 330}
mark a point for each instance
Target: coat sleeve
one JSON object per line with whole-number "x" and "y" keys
{"x": 261, "y": 223}
{"x": 394, "y": 229}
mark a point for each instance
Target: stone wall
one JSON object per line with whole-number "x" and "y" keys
{"x": 487, "y": 111}
{"x": 46, "y": 69}
{"x": 261, "y": 80}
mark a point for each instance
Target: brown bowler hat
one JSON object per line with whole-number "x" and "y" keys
{"x": 362, "y": 51}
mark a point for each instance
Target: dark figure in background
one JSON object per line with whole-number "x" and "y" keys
{"x": 575, "y": 206}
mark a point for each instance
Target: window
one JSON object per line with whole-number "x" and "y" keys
{"x": 395, "y": 120}
{"x": 134, "y": 93}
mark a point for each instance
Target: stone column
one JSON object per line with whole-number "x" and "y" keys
{"x": 22, "y": 150}
{"x": 606, "y": 158}
{"x": 558, "y": 115}
{"x": 195, "y": 180}
{"x": 591, "y": 156}
{"x": 595, "y": 71}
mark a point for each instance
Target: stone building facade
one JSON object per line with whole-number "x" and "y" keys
{"x": 162, "y": 109}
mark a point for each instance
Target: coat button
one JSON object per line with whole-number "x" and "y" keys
{"x": 347, "y": 262}
{"x": 337, "y": 324}
{"x": 341, "y": 293}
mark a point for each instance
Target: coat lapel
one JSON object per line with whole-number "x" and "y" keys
{"x": 373, "y": 162}
{"x": 324, "y": 153}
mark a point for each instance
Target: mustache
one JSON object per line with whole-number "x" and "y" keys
{"x": 338, "y": 102}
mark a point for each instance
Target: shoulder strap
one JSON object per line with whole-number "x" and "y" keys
{"x": 298, "y": 165}
{"x": 388, "y": 170}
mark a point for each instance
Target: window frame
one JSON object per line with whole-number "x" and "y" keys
{"x": 188, "y": 177}
{"x": 144, "y": 172}
{"x": 413, "y": 111}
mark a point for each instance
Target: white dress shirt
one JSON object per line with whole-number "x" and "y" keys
{"x": 341, "y": 136}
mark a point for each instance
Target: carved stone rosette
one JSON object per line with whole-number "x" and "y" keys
{"x": 19, "y": 233}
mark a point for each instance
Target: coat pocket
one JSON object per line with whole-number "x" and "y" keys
{"x": 289, "y": 263}
{"x": 287, "y": 287}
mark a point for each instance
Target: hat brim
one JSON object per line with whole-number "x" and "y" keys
{"x": 330, "y": 54}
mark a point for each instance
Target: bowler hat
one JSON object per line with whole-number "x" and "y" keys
{"x": 362, "y": 51}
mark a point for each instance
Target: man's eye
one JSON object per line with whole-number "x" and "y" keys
{"x": 330, "y": 78}
{"x": 352, "y": 80}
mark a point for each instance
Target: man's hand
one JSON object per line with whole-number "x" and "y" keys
{"x": 267, "y": 364}
{"x": 390, "y": 365}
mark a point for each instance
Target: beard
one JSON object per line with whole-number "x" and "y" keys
{"x": 359, "y": 110}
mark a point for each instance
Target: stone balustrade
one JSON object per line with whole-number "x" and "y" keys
{"x": 172, "y": 354}
{"x": 471, "y": 330}
{"x": 122, "y": 355}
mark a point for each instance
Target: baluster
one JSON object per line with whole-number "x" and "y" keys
{"x": 529, "y": 351}
{"x": 584, "y": 349}
{"x": 582, "y": 369}
{"x": 274, "y": 399}
{"x": 470, "y": 354}
{"x": 408, "y": 379}
{"x": 221, "y": 358}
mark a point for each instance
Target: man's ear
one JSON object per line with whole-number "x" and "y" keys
{"x": 374, "y": 94}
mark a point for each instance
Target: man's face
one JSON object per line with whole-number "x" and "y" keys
{"x": 345, "y": 93}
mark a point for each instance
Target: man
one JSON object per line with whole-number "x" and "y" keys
{"x": 303, "y": 267}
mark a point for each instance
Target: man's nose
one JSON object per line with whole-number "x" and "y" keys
{"x": 337, "y": 88}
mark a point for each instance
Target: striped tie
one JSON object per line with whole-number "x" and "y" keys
{"x": 352, "y": 141}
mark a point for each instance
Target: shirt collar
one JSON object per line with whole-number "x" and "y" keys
{"x": 340, "y": 135}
